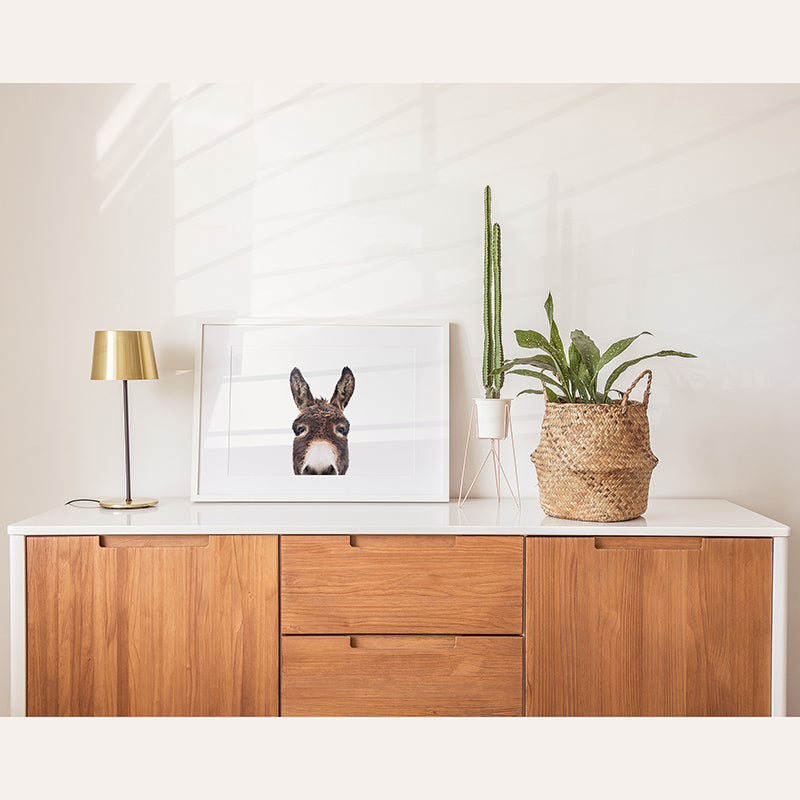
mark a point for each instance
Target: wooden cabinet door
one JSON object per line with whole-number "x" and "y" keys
{"x": 401, "y": 676}
{"x": 152, "y": 625}
{"x": 402, "y": 584}
{"x": 648, "y": 626}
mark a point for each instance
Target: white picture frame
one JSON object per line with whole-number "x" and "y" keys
{"x": 379, "y": 433}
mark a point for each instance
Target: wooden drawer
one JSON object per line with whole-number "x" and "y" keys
{"x": 402, "y": 584}
{"x": 455, "y": 676}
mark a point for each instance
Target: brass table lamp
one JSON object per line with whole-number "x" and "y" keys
{"x": 124, "y": 356}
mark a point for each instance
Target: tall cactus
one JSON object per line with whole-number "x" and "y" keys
{"x": 492, "y": 302}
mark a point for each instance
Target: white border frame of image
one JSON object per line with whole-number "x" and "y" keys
{"x": 441, "y": 496}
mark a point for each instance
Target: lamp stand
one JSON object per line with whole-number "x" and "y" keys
{"x": 128, "y": 502}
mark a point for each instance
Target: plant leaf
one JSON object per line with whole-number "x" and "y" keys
{"x": 590, "y": 353}
{"x": 543, "y": 362}
{"x": 534, "y": 339}
{"x": 555, "y": 336}
{"x": 583, "y": 383}
{"x": 585, "y": 380}
{"x": 575, "y": 365}
{"x": 530, "y": 391}
{"x": 552, "y": 397}
{"x": 619, "y": 347}
{"x": 622, "y": 367}
{"x": 574, "y": 358}
{"x": 539, "y": 375}
{"x": 557, "y": 344}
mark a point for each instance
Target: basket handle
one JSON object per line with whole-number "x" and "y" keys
{"x": 646, "y": 399}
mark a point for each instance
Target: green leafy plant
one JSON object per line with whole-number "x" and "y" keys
{"x": 572, "y": 375}
{"x": 493, "y": 375}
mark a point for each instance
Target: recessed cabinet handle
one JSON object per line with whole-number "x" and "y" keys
{"x": 648, "y": 543}
{"x": 404, "y": 541}
{"x": 131, "y": 540}
{"x": 404, "y": 642}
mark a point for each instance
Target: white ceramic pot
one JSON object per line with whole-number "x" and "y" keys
{"x": 493, "y": 416}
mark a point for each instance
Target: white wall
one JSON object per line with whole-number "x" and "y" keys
{"x": 667, "y": 208}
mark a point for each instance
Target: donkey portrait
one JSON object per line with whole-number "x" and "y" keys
{"x": 321, "y": 428}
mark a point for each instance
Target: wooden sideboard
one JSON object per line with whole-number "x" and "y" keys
{"x": 215, "y": 609}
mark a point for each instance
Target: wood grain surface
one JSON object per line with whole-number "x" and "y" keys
{"x": 626, "y": 631}
{"x": 402, "y": 676}
{"x": 152, "y": 630}
{"x": 402, "y": 584}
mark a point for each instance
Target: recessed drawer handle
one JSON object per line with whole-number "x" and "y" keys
{"x": 153, "y": 541}
{"x": 398, "y": 541}
{"x": 648, "y": 543}
{"x": 404, "y": 642}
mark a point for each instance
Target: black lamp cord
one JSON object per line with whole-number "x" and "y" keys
{"x": 82, "y": 500}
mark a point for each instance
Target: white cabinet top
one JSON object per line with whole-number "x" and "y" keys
{"x": 479, "y": 516}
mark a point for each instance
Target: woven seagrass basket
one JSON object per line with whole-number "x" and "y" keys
{"x": 594, "y": 462}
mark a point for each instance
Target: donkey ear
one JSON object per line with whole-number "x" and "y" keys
{"x": 300, "y": 391}
{"x": 344, "y": 388}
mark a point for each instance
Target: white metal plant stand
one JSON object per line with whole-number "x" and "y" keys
{"x": 494, "y": 454}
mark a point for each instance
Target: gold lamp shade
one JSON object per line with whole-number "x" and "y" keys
{"x": 123, "y": 356}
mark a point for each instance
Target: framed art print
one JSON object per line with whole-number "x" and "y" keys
{"x": 321, "y": 412}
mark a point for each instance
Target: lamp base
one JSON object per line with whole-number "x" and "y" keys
{"x": 120, "y": 502}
